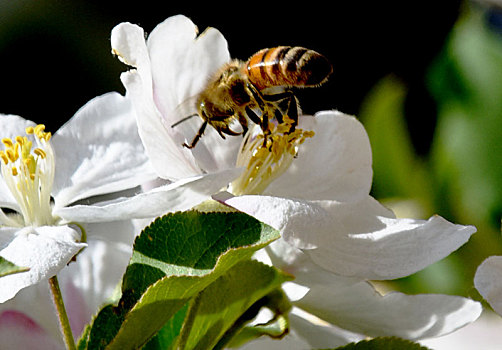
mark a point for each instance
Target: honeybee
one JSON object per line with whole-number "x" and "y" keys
{"x": 258, "y": 89}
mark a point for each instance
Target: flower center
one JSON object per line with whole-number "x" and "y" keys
{"x": 267, "y": 160}
{"x": 29, "y": 174}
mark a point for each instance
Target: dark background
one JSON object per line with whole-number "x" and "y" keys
{"x": 55, "y": 55}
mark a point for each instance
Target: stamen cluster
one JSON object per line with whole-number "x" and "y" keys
{"x": 267, "y": 157}
{"x": 29, "y": 174}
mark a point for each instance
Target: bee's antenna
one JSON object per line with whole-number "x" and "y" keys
{"x": 184, "y": 119}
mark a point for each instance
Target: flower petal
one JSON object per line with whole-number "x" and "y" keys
{"x": 170, "y": 73}
{"x": 305, "y": 334}
{"x": 174, "y": 43}
{"x": 99, "y": 151}
{"x": 488, "y": 281}
{"x": 482, "y": 334}
{"x": 294, "y": 218}
{"x": 362, "y": 241}
{"x": 359, "y": 308}
{"x": 19, "y": 331}
{"x": 339, "y": 152}
{"x": 45, "y": 250}
{"x": 181, "y": 195}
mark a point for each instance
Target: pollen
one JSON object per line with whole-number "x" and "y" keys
{"x": 266, "y": 158}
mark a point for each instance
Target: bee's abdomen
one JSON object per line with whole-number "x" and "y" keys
{"x": 287, "y": 66}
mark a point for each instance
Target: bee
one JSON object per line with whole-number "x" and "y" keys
{"x": 259, "y": 89}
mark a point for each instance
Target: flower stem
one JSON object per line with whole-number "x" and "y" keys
{"x": 61, "y": 311}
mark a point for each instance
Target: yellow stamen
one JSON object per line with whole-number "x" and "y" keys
{"x": 266, "y": 162}
{"x": 27, "y": 167}
{"x": 7, "y": 142}
{"x": 40, "y": 152}
{"x": 4, "y": 157}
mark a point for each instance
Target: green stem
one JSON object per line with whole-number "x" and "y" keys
{"x": 61, "y": 311}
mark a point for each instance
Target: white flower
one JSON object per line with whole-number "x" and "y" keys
{"x": 349, "y": 309}
{"x": 28, "y": 321}
{"x": 315, "y": 190}
{"x": 331, "y": 228}
{"x": 488, "y": 281}
{"x": 97, "y": 152}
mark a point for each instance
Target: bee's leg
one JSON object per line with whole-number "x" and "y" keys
{"x": 291, "y": 106}
{"x": 253, "y": 116}
{"x": 263, "y": 122}
{"x": 198, "y": 136}
{"x": 293, "y": 111}
{"x": 244, "y": 122}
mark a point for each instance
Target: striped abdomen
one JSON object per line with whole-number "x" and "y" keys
{"x": 287, "y": 66}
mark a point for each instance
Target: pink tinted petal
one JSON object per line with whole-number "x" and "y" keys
{"x": 18, "y": 331}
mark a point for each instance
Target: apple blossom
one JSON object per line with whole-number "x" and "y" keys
{"x": 85, "y": 158}
{"x": 43, "y": 188}
{"x": 313, "y": 186}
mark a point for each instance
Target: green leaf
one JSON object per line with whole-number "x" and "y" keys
{"x": 165, "y": 338}
{"x": 220, "y": 305}
{"x": 384, "y": 343}
{"x": 8, "y": 268}
{"x": 174, "y": 259}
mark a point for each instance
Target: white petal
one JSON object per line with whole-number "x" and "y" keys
{"x": 306, "y": 333}
{"x": 99, "y": 151}
{"x": 128, "y": 43}
{"x": 294, "y": 218}
{"x": 181, "y": 61}
{"x": 483, "y": 334}
{"x": 319, "y": 334}
{"x": 362, "y": 241}
{"x": 170, "y": 160}
{"x": 359, "y": 308}
{"x": 174, "y": 43}
{"x": 488, "y": 281}
{"x": 339, "y": 152}
{"x": 45, "y": 250}
{"x": 170, "y": 73}
{"x": 181, "y": 195}
{"x": 13, "y": 125}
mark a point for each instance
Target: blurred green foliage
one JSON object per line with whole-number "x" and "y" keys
{"x": 461, "y": 176}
